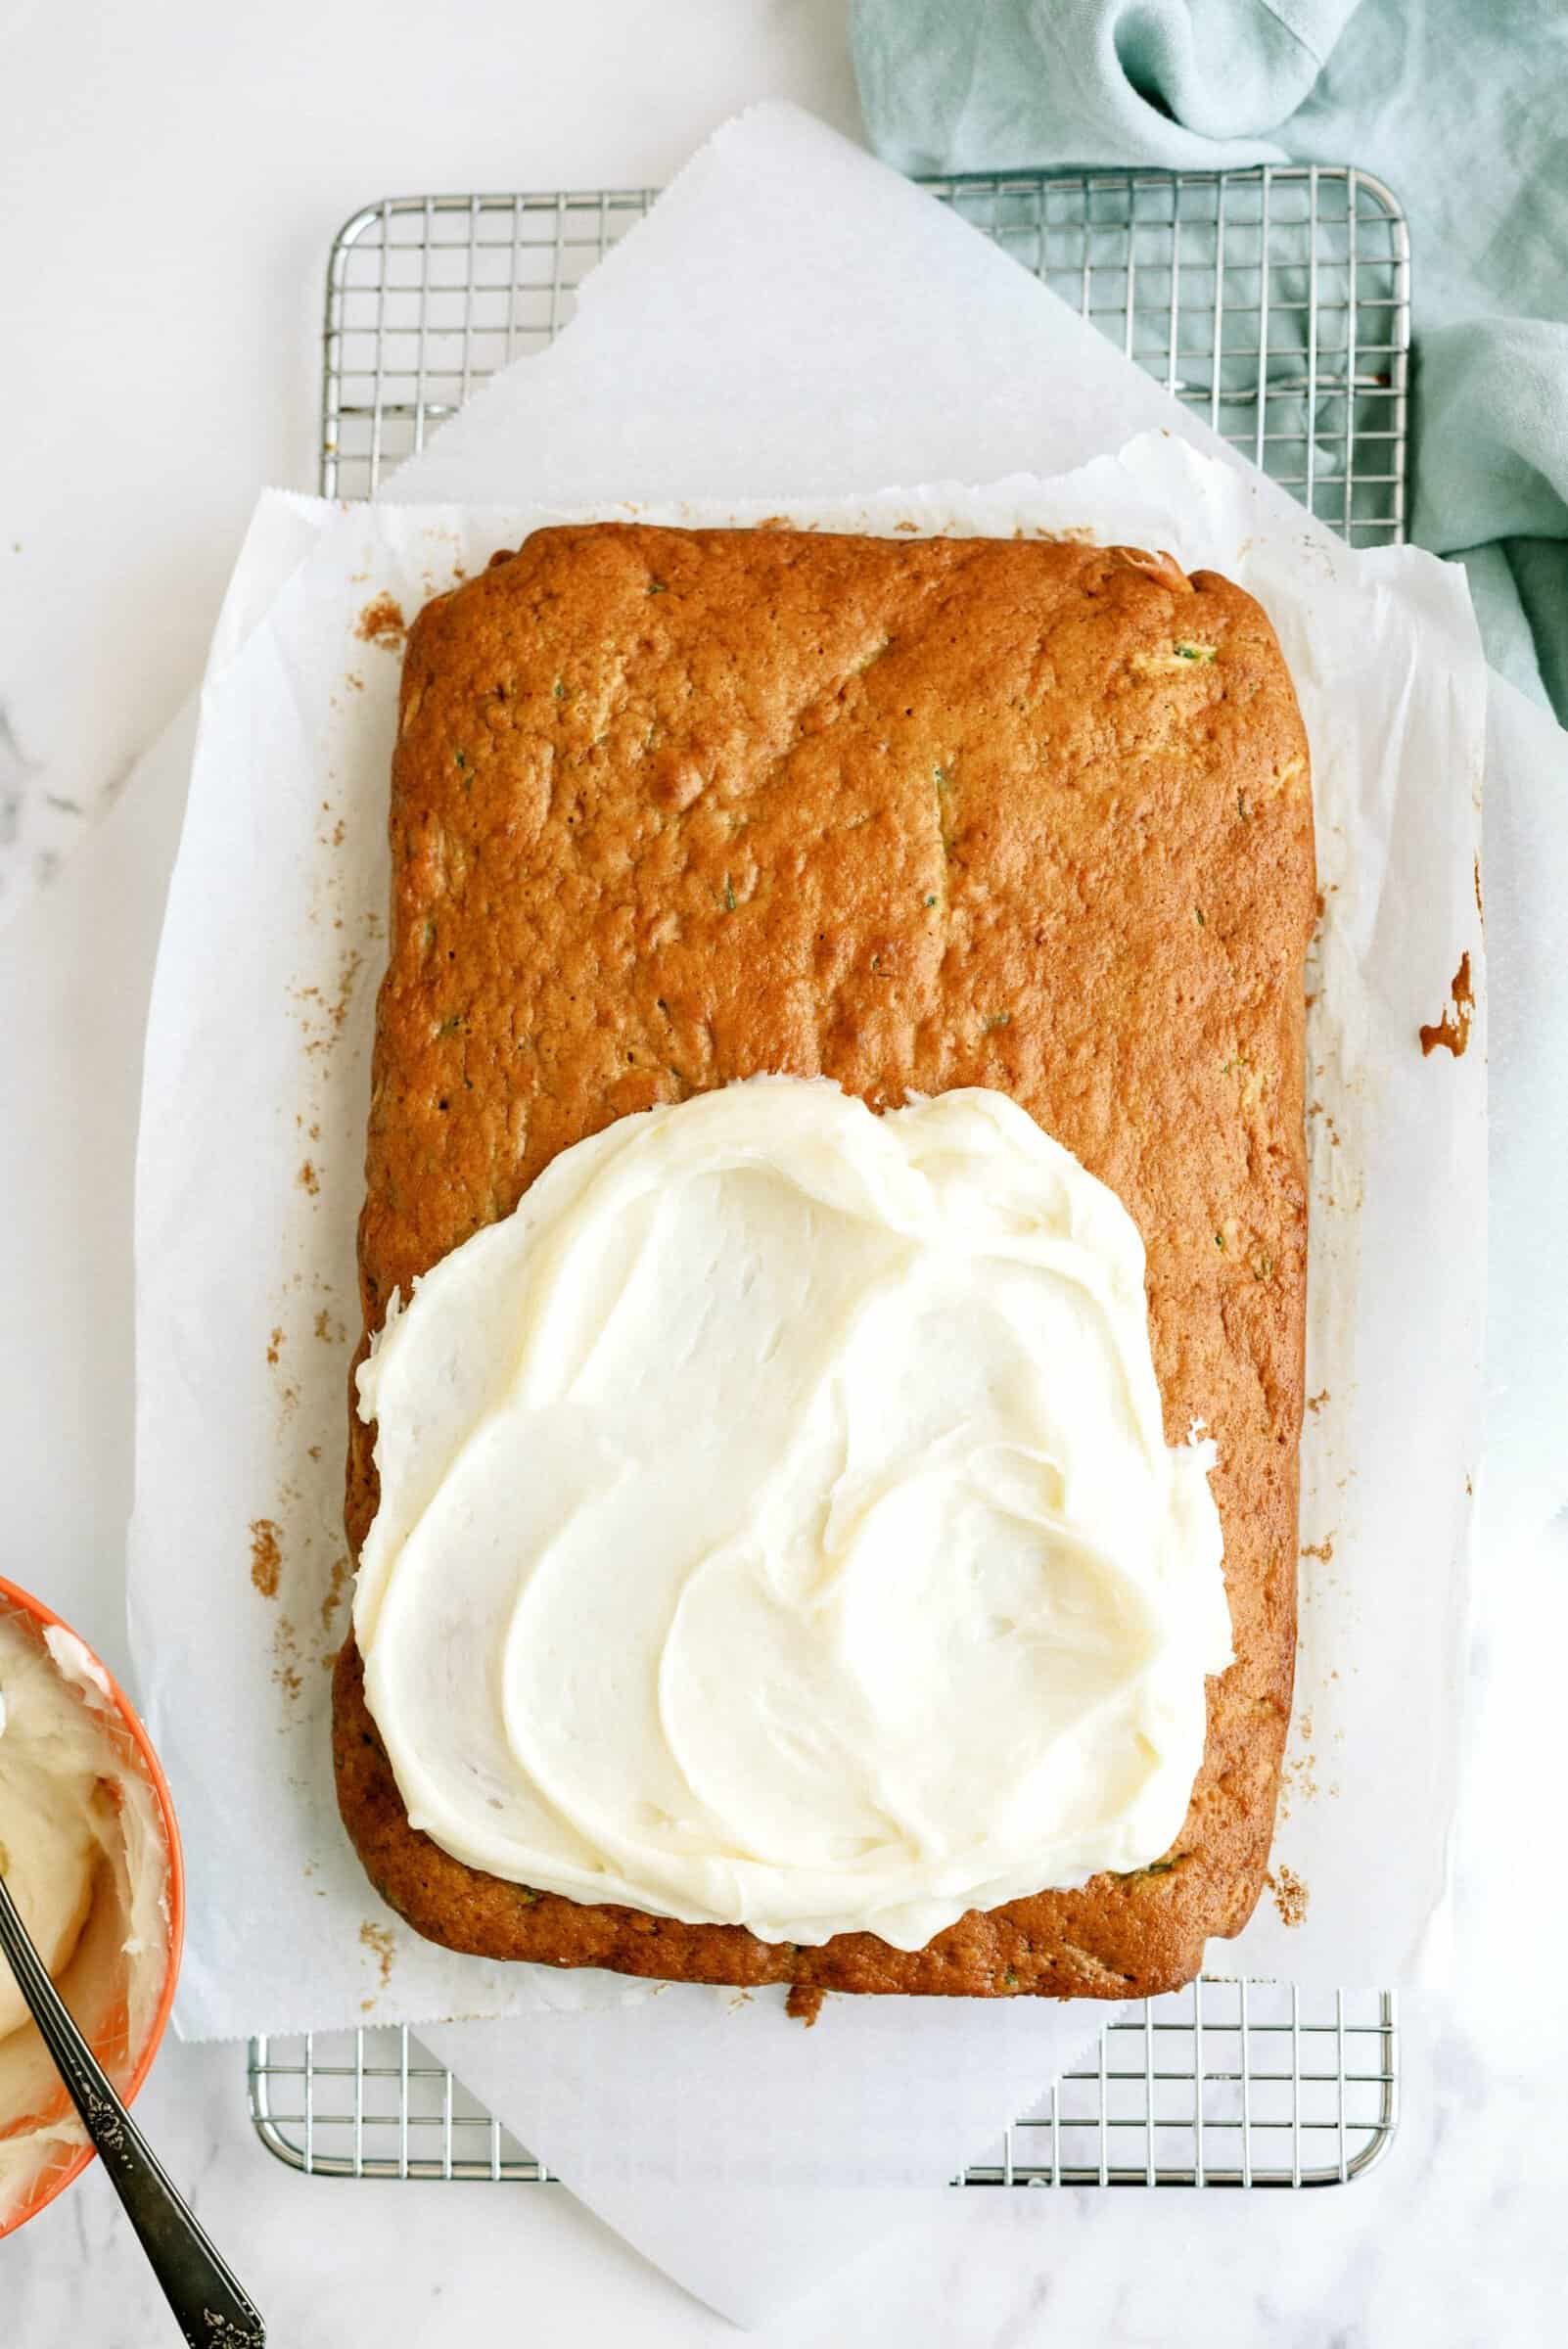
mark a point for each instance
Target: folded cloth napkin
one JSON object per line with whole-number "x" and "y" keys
{"x": 1460, "y": 109}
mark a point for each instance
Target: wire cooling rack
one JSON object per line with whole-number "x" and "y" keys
{"x": 1275, "y": 302}
{"x": 1226, "y": 2083}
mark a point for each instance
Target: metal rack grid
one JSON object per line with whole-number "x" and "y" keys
{"x": 1275, "y": 302}
{"x": 1249, "y": 2084}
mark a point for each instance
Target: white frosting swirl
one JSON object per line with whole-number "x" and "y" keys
{"x": 777, "y": 1525}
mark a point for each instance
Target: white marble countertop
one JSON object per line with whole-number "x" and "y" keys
{"x": 172, "y": 178}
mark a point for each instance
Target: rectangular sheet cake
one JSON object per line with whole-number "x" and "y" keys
{"x": 672, "y": 808}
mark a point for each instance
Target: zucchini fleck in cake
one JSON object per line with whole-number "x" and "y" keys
{"x": 839, "y": 1089}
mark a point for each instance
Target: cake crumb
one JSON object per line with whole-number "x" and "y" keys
{"x": 378, "y": 1941}
{"x": 1323, "y": 1550}
{"x": 382, "y": 623}
{"x": 337, "y": 1584}
{"x": 1452, "y": 1030}
{"x": 804, "y": 2003}
{"x": 1290, "y": 1895}
{"x": 274, "y": 1347}
{"x": 337, "y": 1009}
{"x": 266, "y": 1555}
{"x": 286, "y": 1657}
{"x": 322, "y": 1027}
{"x": 307, "y": 1177}
{"x": 1315, "y": 1403}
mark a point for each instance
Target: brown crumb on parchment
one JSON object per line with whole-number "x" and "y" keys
{"x": 1452, "y": 1030}
{"x": 330, "y": 1331}
{"x": 321, "y": 1017}
{"x": 307, "y": 1179}
{"x": 347, "y": 972}
{"x": 274, "y": 1347}
{"x": 804, "y": 2003}
{"x": 1315, "y": 1403}
{"x": 378, "y": 1940}
{"x": 382, "y": 623}
{"x": 266, "y": 1555}
{"x": 286, "y": 1657}
{"x": 1479, "y": 906}
{"x": 1315, "y": 1109}
{"x": 1291, "y": 1896}
{"x": 337, "y": 1585}
{"x": 1322, "y": 1550}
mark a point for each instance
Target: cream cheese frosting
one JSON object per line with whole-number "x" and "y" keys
{"x": 55, "y": 1820}
{"x": 82, "y": 1847}
{"x": 777, "y": 1526}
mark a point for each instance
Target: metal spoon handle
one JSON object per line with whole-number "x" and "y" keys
{"x": 211, "y": 2309}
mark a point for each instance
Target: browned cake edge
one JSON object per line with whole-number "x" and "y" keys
{"x": 1115, "y": 1936}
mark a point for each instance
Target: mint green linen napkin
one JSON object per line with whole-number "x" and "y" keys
{"x": 1461, "y": 105}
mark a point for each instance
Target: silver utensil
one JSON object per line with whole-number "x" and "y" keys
{"x": 209, "y": 2304}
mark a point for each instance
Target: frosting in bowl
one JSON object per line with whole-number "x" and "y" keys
{"x": 86, "y": 1858}
{"x": 776, "y": 1524}
{"x": 54, "y": 1816}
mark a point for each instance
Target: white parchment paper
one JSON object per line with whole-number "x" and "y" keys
{"x": 249, "y": 1177}
{"x": 250, "y": 1185}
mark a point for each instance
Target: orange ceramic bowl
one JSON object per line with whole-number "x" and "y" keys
{"x": 105, "y": 2000}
